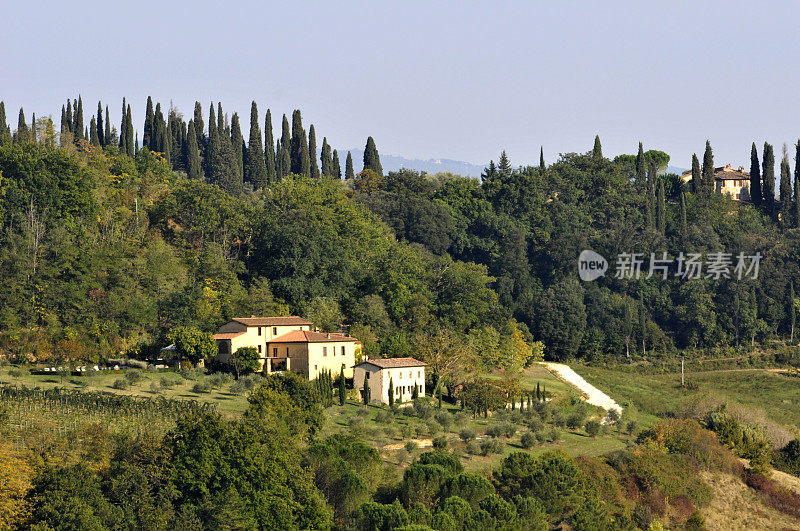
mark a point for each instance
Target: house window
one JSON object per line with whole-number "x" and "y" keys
{"x": 409, "y": 374}
{"x": 418, "y": 374}
{"x": 366, "y": 376}
{"x": 287, "y": 352}
{"x": 259, "y": 349}
{"x": 400, "y": 375}
{"x": 275, "y": 352}
{"x": 324, "y": 352}
{"x": 259, "y": 330}
{"x": 315, "y": 368}
{"x": 274, "y": 330}
{"x": 342, "y": 350}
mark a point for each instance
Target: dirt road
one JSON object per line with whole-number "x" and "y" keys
{"x": 594, "y": 396}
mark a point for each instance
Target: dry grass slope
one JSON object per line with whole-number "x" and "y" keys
{"x": 735, "y": 506}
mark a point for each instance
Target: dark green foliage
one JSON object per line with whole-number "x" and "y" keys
{"x": 79, "y": 130}
{"x": 199, "y": 125}
{"x": 245, "y": 360}
{"x": 597, "y": 150}
{"x": 391, "y": 392}
{"x": 336, "y": 167}
{"x": 504, "y": 165}
{"x": 785, "y": 193}
{"x": 372, "y": 160}
{"x": 312, "y": 152}
{"x": 326, "y": 158}
{"x": 131, "y": 143}
{"x": 708, "y": 169}
{"x": 755, "y": 177}
{"x": 269, "y": 149}
{"x": 5, "y": 131}
{"x": 796, "y": 186}
{"x": 300, "y": 161}
{"x": 107, "y": 136}
{"x": 661, "y": 213}
{"x": 768, "y": 179}
{"x": 194, "y": 169}
{"x": 348, "y": 167}
{"x": 682, "y": 215}
{"x": 148, "y": 139}
{"x": 342, "y": 388}
{"x": 238, "y": 147}
{"x": 697, "y": 179}
{"x": 71, "y": 498}
{"x": 541, "y": 159}
{"x": 100, "y": 132}
{"x": 640, "y": 169}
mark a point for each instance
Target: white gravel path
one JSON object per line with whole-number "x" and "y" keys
{"x": 594, "y": 396}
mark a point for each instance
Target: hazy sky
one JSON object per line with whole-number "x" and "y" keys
{"x": 458, "y": 80}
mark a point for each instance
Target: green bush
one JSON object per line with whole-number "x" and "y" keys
{"x": 440, "y": 442}
{"x": 473, "y": 447}
{"x": 120, "y": 383}
{"x": 466, "y": 434}
{"x": 411, "y": 446}
{"x": 492, "y": 445}
{"x": 575, "y": 421}
{"x": 384, "y": 417}
{"x": 592, "y": 428}
{"x": 133, "y": 376}
{"x": 444, "y": 418}
{"x": 695, "y": 522}
{"x": 201, "y": 387}
{"x": 528, "y": 439}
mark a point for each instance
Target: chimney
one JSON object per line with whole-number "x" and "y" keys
{"x": 329, "y": 336}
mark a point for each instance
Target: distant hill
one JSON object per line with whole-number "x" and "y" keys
{"x": 396, "y": 162}
{"x": 675, "y": 169}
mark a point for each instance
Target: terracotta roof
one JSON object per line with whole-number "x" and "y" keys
{"x": 227, "y": 335}
{"x": 395, "y": 363}
{"x": 305, "y": 336}
{"x": 272, "y": 321}
{"x": 731, "y": 176}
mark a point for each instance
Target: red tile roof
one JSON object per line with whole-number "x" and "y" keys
{"x": 395, "y": 363}
{"x": 227, "y": 335}
{"x": 305, "y": 336}
{"x": 291, "y": 320}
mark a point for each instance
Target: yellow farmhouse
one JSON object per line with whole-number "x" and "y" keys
{"x": 288, "y": 343}
{"x": 404, "y": 373}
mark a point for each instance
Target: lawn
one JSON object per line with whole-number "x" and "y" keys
{"x": 658, "y": 395}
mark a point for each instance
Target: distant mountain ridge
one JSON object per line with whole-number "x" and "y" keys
{"x": 396, "y": 162}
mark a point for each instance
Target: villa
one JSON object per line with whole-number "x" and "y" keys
{"x": 735, "y": 183}
{"x": 404, "y": 373}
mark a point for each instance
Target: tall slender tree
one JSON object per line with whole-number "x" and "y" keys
{"x": 326, "y": 158}
{"x": 372, "y": 160}
{"x": 220, "y": 120}
{"x": 269, "y": 149}
{"x": 768, "y": 179}
{"x": 697, "y": 185}
{"x": 123, "y": 131}
{"x": 212, "y": 150}
{"x": 79, "y": 127}
{"x": 100, "y": 130}
{"x": 504, "y": 165}
{"x": 107, "y": 140}
{"x": 348, "y": 167}
{"x": 199, "y": 124}
{"x": 149, "y": 126}
{"x": 541, "y": 158}
{"x": 301, "y": 163}
{"x": 661, "y": 221}
{"x": 192, "y": 154}
{"x": 131, "y": 139}
{"x": 597, "y": 150}
{"x": 5, "y": 130}
{"x": 237, "y": 143}
{"x": 337, "y": 168}
{"x": 256, "y": 171}
{"x": 69, "y": 118}
{"x": 755, "y": 177}
{"x": 312, "y": 152}
{"x": 683, "y": 215}
{"x": 93, "y": 138}
{"x": 641, "y": 177}
{"x": 785, "y": 191}
{"x": 791, "y": 311}
{"x": 32, "y": 131}
{"x": 21, "y": 136}
{"x": 286, "y": 148}
{"x": 708, "y": 169}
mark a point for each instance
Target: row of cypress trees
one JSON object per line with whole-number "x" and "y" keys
{"x": 220, "y": 156}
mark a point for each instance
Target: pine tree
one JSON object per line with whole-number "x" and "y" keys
{"x": 708, "y": 169}
{"x": 312, "y": 152}
{"x": 597, "y": 150}
{"x": 755, "y": 177}
{"x": 107, "y": 135}
{"x": 391, "y": 392}
{"x": 336, "y": 168}
{"x": 342, "y": 388}
{"x": 269, "y": 149}
{"x": 785, "y": 191}
{"x": 504, "y": 166}
{"x": 683, "y": 215}
{"x": 325, "y": 158}
{"x": 372, "y": 160}
{"x": 348, "y": 167}
{"x": 79, "y": 127}
{"x": 149, "y": 126}
{"x": 541, "y": 158}
{"x": 768, "y": 179}
{"x": 640, "y": 171}
{"x": 661, "y": 222}
{"x": 5, "y": 131}
{"x": 237, "y": 143}
{"x": 256, "y": 172}
{"x": 697, "y": 184}
{"x": 192, "y": 154}
{"x": 100, "y": 131}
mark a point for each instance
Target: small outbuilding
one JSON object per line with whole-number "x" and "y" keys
{"x": 404, "y": 374}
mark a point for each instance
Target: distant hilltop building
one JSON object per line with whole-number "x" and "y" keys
{"x": 735, "y": 183}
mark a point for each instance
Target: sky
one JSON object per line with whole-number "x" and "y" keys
{"x": 459, "y": 80}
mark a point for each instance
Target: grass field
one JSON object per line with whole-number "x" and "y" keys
{"x": 777, "y": 395}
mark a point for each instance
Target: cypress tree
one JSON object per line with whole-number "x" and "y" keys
{"x": 541, "y": 158}
{"x": 342, "y": 388}
{"x": 372, "y": 161}
{"x": 69, "y": 118}
{"x": 755, "y": 177}
{"x": 100, "y": 131}
{"x": 365, "y": 392}
{"x": 348, "y": 167}
{"x": 76, "y": 133}
{"x": 285, "y": 149}
{"x": 708, "y": 169}
{"x": 697, "y": 184}
{"x": 797, "y": 194}
{"x": 86, "y": 133}
{"x": 325, "y": 158}
{"x": 158, "y": 137}
{"x": 79, "y": 127}
{"x": 785, "y": 191}
{"x": 391, "y": 392}
{"x": 132, "y": 146}
{"x": 212, "y": 151}
{"x": 278, "y": 160}
{"x": 661, "y": 222}
{"x": 237, "y": 143}
{"x": 269, "y": 149}
{"x": 220, "y": 119}
{"x": 312, "y": 152}
{"x": 63, "y": 118}
{"x": 225, "y": 170}
{"x": 256, "y": 172}
{"x": 107, "y": 135}
{"x": 286, "y": 159}
{"x": 640, "y": 171}
{"x": 22, "y": 128}
{"x": 5, "y": 131}
{"x": 32, "y": 131}
{"x": 149, "y": 125}
{"x": 768, "y": 179}
{"x": 93, "y": 138}
{"x": 336, "y": 168}
{"x": 597, "y": 150}
{"x": 199, "y": 124}
{"x": 300, "y": 161}
{"x": 683, "y": 215}
{"x": 123, "y": 131}
{"x": 193, "y": 168}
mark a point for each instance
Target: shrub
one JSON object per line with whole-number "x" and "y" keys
{"x": 422, "y": 409}
{"x": 219, "y": 379}
{"x": 528, "y": 439}
{"x": 411, "y": 446}
{"x": 15, "y": 373}
{"x": 558, "y": 418}
{"x": 535, "y": 424}
{"x": 466, "y": 434}
{"x": 167, "y": 383}
{"x": 433, "y": 427}
{"x": 505, "y": 429}
{"x": 553, "y": 435}
{"x": 592, "y": 428}
{"x": 575, "y": 421}
{"x": 695, "y": 522}
{"x": 440, "y": 442}
{"x": 492, "y": 445}
{"x": 120, "y": 383}
{"x": 363, "y": 413}
{"x": 133, "y": 376}
{"x": 541, "y": 436}
{"x": 155, "y": 388}
{"x": 201, "y": 387}
{"x": 384, "y": 417}
{"x": 444, "y": 418}
{"x": 461, "y": 418}
{"x": 631, "y": 427}
{"x": 473, "y": 448}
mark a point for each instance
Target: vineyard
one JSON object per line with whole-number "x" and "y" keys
{"x": 41, "y": 414}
